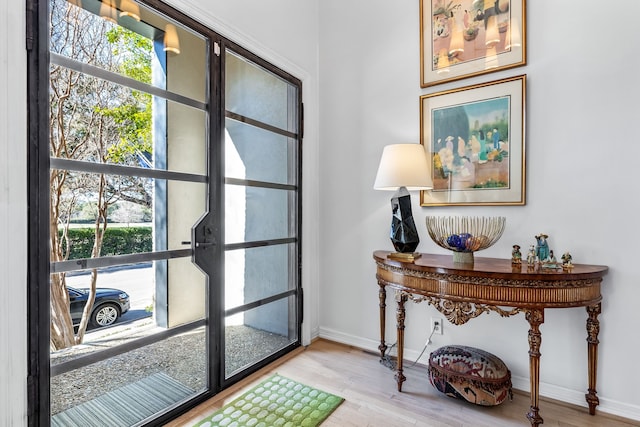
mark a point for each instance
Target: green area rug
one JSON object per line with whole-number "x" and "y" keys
{"x": 276, "y": 402}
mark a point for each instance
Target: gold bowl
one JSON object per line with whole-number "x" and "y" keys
{"x": 465, "y": 235}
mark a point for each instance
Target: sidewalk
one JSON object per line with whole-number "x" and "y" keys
{"x": 101, "y": 338}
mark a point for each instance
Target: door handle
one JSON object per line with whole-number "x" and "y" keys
{"x": 198, "y": 244}
{"x": 204, "y": 244}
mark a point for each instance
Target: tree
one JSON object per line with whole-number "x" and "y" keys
{"x": 92, "y": 120}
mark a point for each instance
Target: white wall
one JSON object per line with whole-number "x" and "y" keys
{"x": 13, "y": 215}
{"x": 282, "y": 31}
{"x": 582, "y": 153}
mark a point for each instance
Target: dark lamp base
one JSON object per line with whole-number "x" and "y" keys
{"x": 406, "y": 257}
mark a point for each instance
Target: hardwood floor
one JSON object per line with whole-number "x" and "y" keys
{"x": 371, "y": 397}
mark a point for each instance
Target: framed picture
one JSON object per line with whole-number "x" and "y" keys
{"x": 464, "y": 38}
{"x": 474, "y": 137}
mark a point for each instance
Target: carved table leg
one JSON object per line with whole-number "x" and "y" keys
{"x": 401, "y": 299}
{"x": 535, "y": 319}
{"x": 593, "y": 328}
{"x": 382, "y": 295}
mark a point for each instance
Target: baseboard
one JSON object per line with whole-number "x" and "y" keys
{"x": 367, "y": 344}
{"x": 572, "y": 397}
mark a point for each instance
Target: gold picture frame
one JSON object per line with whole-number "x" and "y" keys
{"x": 465, "y": 38}
{"x": 475, "y": 140}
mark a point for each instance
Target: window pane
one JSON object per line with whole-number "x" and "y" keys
{"x": 177, "y": 365}
{"x": 98, "y": 121}
{"x": 135, "y": 281}
{"x": 132, "y": 386}
{"x": 258, "y": 333}
{"x": 137, "y": 221}
{"x": 186, "y": 203}
{"x": 255, "y": 93}
{"x": 256, "y": 273}
{"x": 186, "y": 136}
{"x": 186, "y": 293}
{"x": 254, "y": 213}
{"x": 79, "y": 200}
{"x": 108, "y": 37}
{"x": 256, "y": 154}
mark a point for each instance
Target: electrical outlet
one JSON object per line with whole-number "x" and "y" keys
{"x": 436, "y": 325}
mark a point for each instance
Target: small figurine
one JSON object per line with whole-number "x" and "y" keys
{"x": 542, "y": 248}
{"x": 552, "y": 257}
{"x": 531, "y": 256}
{"x": 550, "y": 261}
{"x": 566, "y": 261}
{"x": 516, "y": 256}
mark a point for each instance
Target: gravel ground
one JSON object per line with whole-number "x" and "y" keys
{"x": 182, "y": 357}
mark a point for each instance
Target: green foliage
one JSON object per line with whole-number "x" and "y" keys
{"x": 491, "y": 184}
{"x": 133, "y": 118}
{"x": 440, "y": 8}
{"x": 117, "y": 241}
{"x": 498, "y": 155}
{"x": 134, "y": 128}
{"x": 135, "y": 50}
{"x": 501, "y": 124}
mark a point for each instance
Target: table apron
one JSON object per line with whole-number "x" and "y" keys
{"x": 546, "y": 295}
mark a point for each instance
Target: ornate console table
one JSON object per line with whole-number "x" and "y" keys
{"x": 464, "y": 291}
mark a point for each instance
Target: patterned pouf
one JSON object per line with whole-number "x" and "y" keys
{"x": 471, "y": 374}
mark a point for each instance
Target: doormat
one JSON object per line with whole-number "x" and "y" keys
{"x": 276, "y": 402}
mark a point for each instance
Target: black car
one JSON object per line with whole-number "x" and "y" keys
{"x": 109, "y": 305}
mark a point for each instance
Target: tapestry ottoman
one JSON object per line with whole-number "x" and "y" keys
{"x": 471, "y": 374}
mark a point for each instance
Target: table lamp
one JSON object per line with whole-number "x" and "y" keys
{"x": 403, "y": 168}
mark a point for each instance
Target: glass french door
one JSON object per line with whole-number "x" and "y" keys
{"x": 166, "y": 220}
{"x": 129, "y": 146}
{"x": 262, "y": 213}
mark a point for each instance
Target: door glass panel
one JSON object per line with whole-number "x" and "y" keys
{"x": 187, "y": 292}
{"x": 253, "y": 92}
{"x": 126, "y": 201}
{"x": 135, "y": 222}
{"x": 110, "y": 123}
{"x": 122, "y": 115}
{"x": 256, "y": 273}
{"x": 255, "y": 334}
{"x": 145, "y": 296}
{"x": 254, "y": 213}
{"x": 130, "y": 289}
{"x": 186, "y": 139}
{"x": 104, "y": 35}
{"x": 137, "y": 384}
{"x": 257, "y": 154}
{"x": 187, "y": 201}
{"x": 262, "y": 158}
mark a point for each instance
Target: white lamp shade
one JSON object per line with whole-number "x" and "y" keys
{"x": 403, "y": 165}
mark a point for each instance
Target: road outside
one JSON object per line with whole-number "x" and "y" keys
{"x": 137, "y": 281}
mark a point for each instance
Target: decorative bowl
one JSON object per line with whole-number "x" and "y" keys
{"x": 465, "y": 235}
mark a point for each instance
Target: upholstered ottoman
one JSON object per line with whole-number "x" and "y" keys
{"x": 471, "y": 374}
